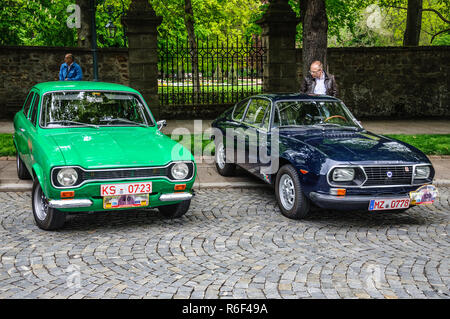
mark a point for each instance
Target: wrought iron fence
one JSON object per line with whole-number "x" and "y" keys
{"x": 209, "y": 72}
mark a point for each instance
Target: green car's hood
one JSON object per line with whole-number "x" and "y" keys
{"x": 118, "y": 147}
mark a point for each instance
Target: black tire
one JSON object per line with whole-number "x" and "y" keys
{"x": 292, "y": 202}
{"x": 22, "y": 171}
{"x": 175, "y": 210}
{"x": 46, "y": 218}
{"x": 224, "y": 168}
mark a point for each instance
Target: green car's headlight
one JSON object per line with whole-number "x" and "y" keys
{"x": 179, "y": 171}
{"x": 422, "y": 172}
{"x": 343, "y": 174}
{"x": 67, "y": 177}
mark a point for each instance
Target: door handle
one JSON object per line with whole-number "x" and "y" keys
{"x": 22, "y": 129}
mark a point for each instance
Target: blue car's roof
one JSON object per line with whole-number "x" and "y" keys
{"x": 296, "y": 96}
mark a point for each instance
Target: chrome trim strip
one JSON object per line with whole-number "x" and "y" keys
{"x": 121, "y": 179}
{"x": 69, "y": 203}
{"x": 175, "y": 197}
{"x": 346, "y": 166}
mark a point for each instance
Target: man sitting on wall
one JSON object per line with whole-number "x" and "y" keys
{"x": 318, "y": 81}
{"x": 70, "y": 70}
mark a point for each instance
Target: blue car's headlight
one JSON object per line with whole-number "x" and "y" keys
{"x": 422, "y": 172}
{"x": 343, "y": 174}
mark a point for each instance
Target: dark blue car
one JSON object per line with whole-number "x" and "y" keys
{"x": 313, "y": 150}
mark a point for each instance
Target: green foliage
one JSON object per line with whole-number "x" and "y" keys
{"x": 430, "y": 144}
{"x": 394, "y": 15}
{"x": 222, "y": 19}
{"x": 35, "y": 22}
{"x": 119, "y": 9}
{"x": 351, "y": 22}
{"x": 7, "y": 145}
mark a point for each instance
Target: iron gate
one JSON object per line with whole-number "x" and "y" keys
{"x": 209, "y": 72}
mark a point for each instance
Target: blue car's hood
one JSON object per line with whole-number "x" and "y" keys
{"x": 351, "y": 146}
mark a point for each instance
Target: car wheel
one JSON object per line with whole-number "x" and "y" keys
{"x": 175, "y": 210}
{"x": 22, "y": 171}
{"x": 289, "y": 193}
{"x": 224, "y": 168}
{"x": 46, "y": 218}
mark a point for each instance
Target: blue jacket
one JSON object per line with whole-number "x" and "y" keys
{"x": 75, "y": 73}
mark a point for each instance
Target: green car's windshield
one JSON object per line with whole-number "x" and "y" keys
{"x": 323, "y": 113}
{"x": 93, "y": 109}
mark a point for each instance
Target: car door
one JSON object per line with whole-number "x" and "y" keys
{"x": 21, "y": 125}
{"x": 256, "y": 124}
{"x": 30, "y": 132}
{"x": 233, "y": 132}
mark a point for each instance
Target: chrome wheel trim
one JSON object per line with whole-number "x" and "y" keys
{"x": 286, "y": 192}
{"x": 220, "y": 157}
{"x": 18, "y": 163}
{"x": 40, "y": 204}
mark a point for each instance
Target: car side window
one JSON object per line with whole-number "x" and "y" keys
{"x": 239, "y": 110}
{"x": 34, "y": 112}
{"x": 27, "y": 104}
{"x": 258, "y": 113}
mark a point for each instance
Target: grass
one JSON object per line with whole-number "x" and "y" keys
{"x": 430, "y": 144}
{"x": 6, "y": 145}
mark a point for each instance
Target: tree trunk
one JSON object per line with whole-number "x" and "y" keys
{"x": 189, "y": 23}
{"x": 413, "y": 23}
{"x": 315, "y": 28}
{"x": 84, "y": 32}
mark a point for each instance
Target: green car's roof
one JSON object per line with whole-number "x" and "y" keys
{"x": 81, "y": 85}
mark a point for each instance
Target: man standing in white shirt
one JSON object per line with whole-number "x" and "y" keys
{"x": 318, "y": 81}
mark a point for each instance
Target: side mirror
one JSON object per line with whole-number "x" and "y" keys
{"x": 161, "y": 124}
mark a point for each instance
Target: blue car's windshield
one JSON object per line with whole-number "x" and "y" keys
{"x": 93, "y": 109}
{"x": 324, "y": 113}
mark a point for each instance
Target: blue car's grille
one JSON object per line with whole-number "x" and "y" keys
{"x": 388, "y": 175}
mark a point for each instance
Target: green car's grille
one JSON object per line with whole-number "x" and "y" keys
{"x": 87, "y": 176}
{"x": 123, "y": 174}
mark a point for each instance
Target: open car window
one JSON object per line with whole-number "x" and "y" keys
{"x": 258, "y": 113}
{"x": 93, "y": 109}
{"x": 325, "y": 113}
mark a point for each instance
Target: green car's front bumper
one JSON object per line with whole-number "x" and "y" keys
{"x": 88, "y": 198}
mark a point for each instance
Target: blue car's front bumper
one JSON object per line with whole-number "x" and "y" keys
{"x": 350, "y": 202}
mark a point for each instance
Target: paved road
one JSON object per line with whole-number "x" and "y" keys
{"x": 232, "y": 243}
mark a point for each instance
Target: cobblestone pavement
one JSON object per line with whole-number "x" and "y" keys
{"x": 232, "y": 243}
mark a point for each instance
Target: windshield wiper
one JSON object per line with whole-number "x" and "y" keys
{"x": 72, "y": 122}
{"x": 126, "y": 121}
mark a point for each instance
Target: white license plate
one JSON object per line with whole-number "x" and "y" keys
{"x": 125, "y": 189}
{"x": 391, "y": 203}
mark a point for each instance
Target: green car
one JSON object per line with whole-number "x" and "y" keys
{"x": 93, "y": 146}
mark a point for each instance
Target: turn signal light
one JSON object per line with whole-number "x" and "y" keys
{"x": 67, "y": 194}
{"x": 180, "y": 187}
{"x": 338, "y": 191}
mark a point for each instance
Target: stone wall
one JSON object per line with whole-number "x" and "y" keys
{"x": 391, "y": 82}
{"x": 23, "y": 67}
